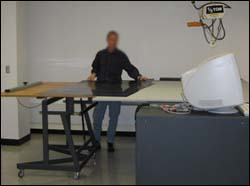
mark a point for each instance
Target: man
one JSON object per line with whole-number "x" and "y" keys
{"x": 107, "y": 67}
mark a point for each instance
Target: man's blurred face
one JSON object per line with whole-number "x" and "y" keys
{"x": 112, "y": 41}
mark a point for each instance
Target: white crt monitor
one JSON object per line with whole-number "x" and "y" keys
{"x": 215, "y": 85}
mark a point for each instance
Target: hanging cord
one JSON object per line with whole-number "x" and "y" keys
{"x": 28, "y": 106}
{"x": 209, "y": 29}
{"x": 139, "y": 107}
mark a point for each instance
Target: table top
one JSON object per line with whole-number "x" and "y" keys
{"x": 162, "y": 91}
{"x": 159, "y": 91}
{"x": 94, "y": 89}
{"x": 34, "y": 90}
{"x": 128, "y": 91}
{"x": 83, "y": 89}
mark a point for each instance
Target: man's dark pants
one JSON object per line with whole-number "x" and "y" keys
{"x": 98, "y": 116}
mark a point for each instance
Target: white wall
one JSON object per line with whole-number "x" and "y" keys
{"x": 9, "y": 111}
{"x": 15, "y": 122}
{"x": 22, "y": 74}
{"x": 61, "y": 39}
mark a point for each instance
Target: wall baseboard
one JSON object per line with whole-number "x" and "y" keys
{"x": 78, "y": 132}
{"x": 15, "y": 142}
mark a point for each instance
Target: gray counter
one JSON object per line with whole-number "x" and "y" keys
{"x": 199, "y": 148}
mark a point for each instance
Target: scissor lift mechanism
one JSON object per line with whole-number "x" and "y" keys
{"x": 79, "y": 155}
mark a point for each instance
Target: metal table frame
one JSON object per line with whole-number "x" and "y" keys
{"x": 77, "y": 157}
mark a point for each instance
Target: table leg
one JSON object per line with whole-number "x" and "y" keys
{"x": 70, "y": 142}
{"x": 88, "y": 123}
{"x": 45, "y": 131}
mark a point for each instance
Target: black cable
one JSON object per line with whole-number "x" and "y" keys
{"x": 221, "y": 32}
{"x": 223, "y": 28}
{"x": 220, "y": 26}
{"x": 139, "y": 107}
{"x": 208, "y": 26}
{"x": 194, "y": 5}
{"x": 213, "y": 25}
{"x": 205, "y": 35}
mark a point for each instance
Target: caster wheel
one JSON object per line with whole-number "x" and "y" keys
{"x": 91, "y": 162}
{"x": 94, "y": 162}
{"x": 76, "y": 175}
{"x": 94, "y": 159}
{"x": 21, "y": 173}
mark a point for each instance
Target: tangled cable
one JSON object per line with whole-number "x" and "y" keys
{"x": 216, "y": 32}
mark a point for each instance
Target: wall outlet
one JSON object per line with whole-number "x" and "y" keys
{"x": 7, "y": 69}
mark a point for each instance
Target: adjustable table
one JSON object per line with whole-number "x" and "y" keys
{"x": 51, "y": 92}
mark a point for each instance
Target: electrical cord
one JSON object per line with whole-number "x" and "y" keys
{"x": 27, "y": 106}
{"x": 220, "y": 26}
{"x": 179, "y": 108}
{"x": 215, "y": 34}
{"x": 208, "y": 26}
{"x": 221, "y": 32}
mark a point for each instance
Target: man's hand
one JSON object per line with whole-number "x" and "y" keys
{"x": 142, "y": 78}
{"x": 92, "y": 77}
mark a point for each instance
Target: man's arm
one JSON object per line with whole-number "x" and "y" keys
{"x": 95, "y": 68}
{"x": 132, "y": 71}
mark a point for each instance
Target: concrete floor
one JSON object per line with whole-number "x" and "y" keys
{"x": 111, "y": 169}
